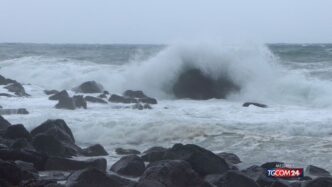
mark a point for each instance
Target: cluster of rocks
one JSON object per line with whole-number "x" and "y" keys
{"x": 138, "y": 98}
{"x": 43, "y": 157}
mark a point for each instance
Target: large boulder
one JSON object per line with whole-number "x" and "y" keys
{"x": 131, "y": 165}
{"x": 172, "y": 173}
{"x": 66, "y": 103}
{"x": 37, "y": 159}
{"x": 59, "y": 95}
{"x": 64, "y": 164}
{"x": 4, "y": 81}
{"x": 203, "y": 161}
{"x": 233, "y": 178}
{"x": 94, "y": 150}
{"x": 80, "y": 101}
{"x": 316, "y": 171}
{"x": 49, "y": 145}
{"x": 89, "y": 87}
{"x": 122, "y": 151}
{"x": 10, "y": 173}
{"x": 17, "y": 88}
{"x": 17, "y": 131}
{"x": 230, "y": 157}
{"x": 320, "y": 182}
{"x": 95, "y": 100}
{"x": 154, "y": 154}
{"x": 3, "y": 123}
{"x": 93, "y": 177}
{"x": 119, "y": 99}
{"x": 194, "y": 84}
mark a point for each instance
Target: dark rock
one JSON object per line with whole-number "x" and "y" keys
{"x": 93, "y": 177}
{"x": 122, "y": 151}
{"x": 230, "y": 157}
{"x": 254, "y": 172}
{"x": 148, "y": 100}
{"x": 255, "y": 104}
{"x": 6, "y": 95}
{"x": 80, "y": 102}
{"x": 263, "y": 180}
{"x": 13, "y": 111}
{"x": 24, "y": 155}
{"x": 203, "y": 161}
{"x": 138, "y": 106}
{"x": 4, "y": 81}
{"x": 234, "y": 178}
{"x": 316, "y": 171}
{"x": 40, "y": 183}
{"x": 27, "y": 169}
{"x": 51, "y": 146}
{"x": 147, "y": 106}
{"x": 63, "y": 164}
{"x": 215, "y": 179}
{"x": 194, "y": 84}
{"x": 131, "y": 165}
{"x": 59, "y": 95}
{"x": 119, "y": 99}
{"x": 66, "y": 103}
{"x": 10, "y": 173}
{"x": 149, "y": 183}
{"x": 102, "y": 96}
{"x": 134, "y": 94}
{"x": 95, "y": 100}
{"x": 58, "y": 128}
{"x": 17, "y": 88}
{"x": 154, "y": 154}
{"x": 22, "y": 144}
{"x": 4, "y": 123}
{"x": 17, "y": 131}
{"x": 320, "y": 182}
{"x": 51, "y": 92}
{"x": 269, "y": 165}
{"x": 90, "y": 87}
{"x": 172, "y": 173}
{"x": 94, "y": 150}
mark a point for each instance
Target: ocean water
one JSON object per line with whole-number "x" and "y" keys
{"x": 295, "y": 80}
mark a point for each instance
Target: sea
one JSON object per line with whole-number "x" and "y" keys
{"x": 294, "y": 80}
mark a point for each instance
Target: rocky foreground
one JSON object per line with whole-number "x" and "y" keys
{"x": 44, "y": 157}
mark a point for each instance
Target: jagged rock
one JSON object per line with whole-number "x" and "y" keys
{"x": 194, "y": 84}
{"x": 247, "y": 104}
{"x": 63, "y": 164}
{"x": 95, "y": 150}
{"x": 80, "y": 101}
{"x": 316, "y": 171}
{"x": 17, "y": 131}
{"x": 233, "y": 178}
{"x": 138, "y": 106}
{"x": 320, "y": 182}
{"x": 4, "y": 81}
{"x": 131, "y": 165}
{"x": 121, "y": 151}
{"x": 134, "y": 94}
{"x": 93, "y": 177}
{"x": 230, "y": 157}
{"x": 89, "y": 87}
{"x": 119, "y": 99}
{"x": 154, "y": 154}
{"x": 173, "y": 173}
{"x": 148, "y": 100}
{"x": 13, "y": 111}
{"x": 22, "y": 144}
{"x": 10, "y": 173}
{"x": 4, "y": 123}
{"x": 203, "y": 161}
{"x": 51, "y": 146}
{"x": 51, "y": 92}
{"x": 95, "y": 100}
{"x": 59, "y": 95}
{"x": 254, "y": 172}
{"x": 17, "y": 88}
{"x": 66, "y": 103}
{"x": 37, "y": 159}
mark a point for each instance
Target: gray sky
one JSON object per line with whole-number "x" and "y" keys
{"x": 164, "y": 21}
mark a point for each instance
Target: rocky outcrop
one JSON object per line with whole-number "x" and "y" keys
{"x": 3, "y": 123}
{"x": 89, "y": 87}
{"x": 131, "y": 165}
{"x": 94, "y": 150}
{"x": 59, "y": 95}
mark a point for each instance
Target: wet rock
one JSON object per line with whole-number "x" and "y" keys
{"x": 173, "y": 173}
{"x": 66, "y": 103}
{"x": 13, "y": 111}
{"x": 147, "y": 106}
{"x": 63, "y": 164}
{"x": 154, "y": 154}
{"x": 37, "y": 159}
{"x": 131, "y": 165}
{"x": 203, "y": 161}
{"x": 148, "y": 100}
{"x": 51, "y": 92}
{"x": 320, "y": 182}
{"x": 95, "y": 100}
{"x": 316, "y": 171}
{"x": 138, "y": 106}
{"x": 6, "y": 95}
{"x": 194, "y": 84}
{"x": 149, "y": 183}
{"x": 17, "y": 88}
{"x": 247, "y": 104}
{"x": 80, "y": 102}
{"x": 95, "y": 150}
{"x": 27, "y": 169}
{"x": 280, "y": 184}
{"x": 59, "y": 95}
{"x": 4, "y": 123}
{"x": 17, "y": 131}
{"x": 93, "y": 177}
{"x": 4, "y": 81}
{"x": 51, "y": 146}
{"x": 134, "y": 94}
{"x": 119, "y": 99}
{"x": 22, "y": 144}
{"x": 89, "y": 87}
{"x": 10, "y": 173}
{"x": 122, "y": 151}
{"x": 40, "y": 183}
{"x": 233, "y": 178}
{"x": 230, "y": 157}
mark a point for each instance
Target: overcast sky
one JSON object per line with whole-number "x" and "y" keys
{"x": 164, "y": 21}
